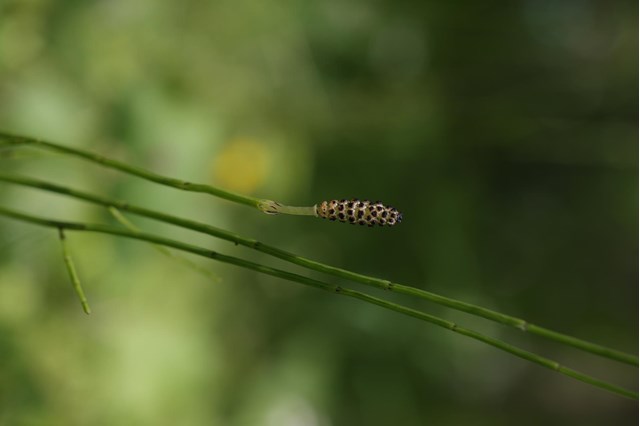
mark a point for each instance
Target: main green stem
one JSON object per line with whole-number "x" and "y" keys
{"x": 123, "y": 167}
{"x": 342, "y": 273}
{"x": 545, "y": 362}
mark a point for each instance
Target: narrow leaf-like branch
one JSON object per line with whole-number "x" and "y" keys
{"x": 163, "y": 250}
{"x": 73, "y": 275}
{"x": 545, "y": 362}
{"x": 338, "y": 272}
{"x": 136, "y": 171}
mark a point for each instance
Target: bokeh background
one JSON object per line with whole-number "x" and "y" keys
{"x": 506, "y": 131}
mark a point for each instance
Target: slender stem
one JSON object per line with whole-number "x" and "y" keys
{"x": 136, "y": 171}
{"x": 266, "y": 206}
{"x": 545, "y": 362}
{"x": 338, "y": 272}
{"x": 162, "y": 249}
{"x": 75, "y": 280}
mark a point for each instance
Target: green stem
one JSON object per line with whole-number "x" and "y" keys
{"x": 161, "y": 249}
{"x": 145, "y": 174}
{"x": 75, "y": 280}
{"x": 545, "y": 362}
{"x": 266, "y": 206}
{"x": 338, "y": 272}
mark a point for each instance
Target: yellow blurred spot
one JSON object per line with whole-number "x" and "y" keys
{"x": 241, "y": 166}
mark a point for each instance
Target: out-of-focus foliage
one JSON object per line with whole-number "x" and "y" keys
{"x": 506, "y": 132}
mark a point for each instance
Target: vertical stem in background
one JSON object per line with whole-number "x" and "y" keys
{"x": 75, "y": 280}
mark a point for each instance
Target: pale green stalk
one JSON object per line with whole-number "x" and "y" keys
{"x": 545, "y": 362}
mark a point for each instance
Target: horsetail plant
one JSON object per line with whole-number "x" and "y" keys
{"x": 363, "y": 213}
{"x": 350, "y": 211}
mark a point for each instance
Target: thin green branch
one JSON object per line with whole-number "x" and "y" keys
{"x": 529, "y": 356}
{"x": 73, "y": 275}
{"x": 136, "y": 171}
{"x": 163, "y": 250}
{"x": 338, "y": 272}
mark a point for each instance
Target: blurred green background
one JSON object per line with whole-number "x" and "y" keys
{"x": 506, "y": 132}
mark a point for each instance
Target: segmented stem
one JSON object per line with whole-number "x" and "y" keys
{"x": 126, "y": 168}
